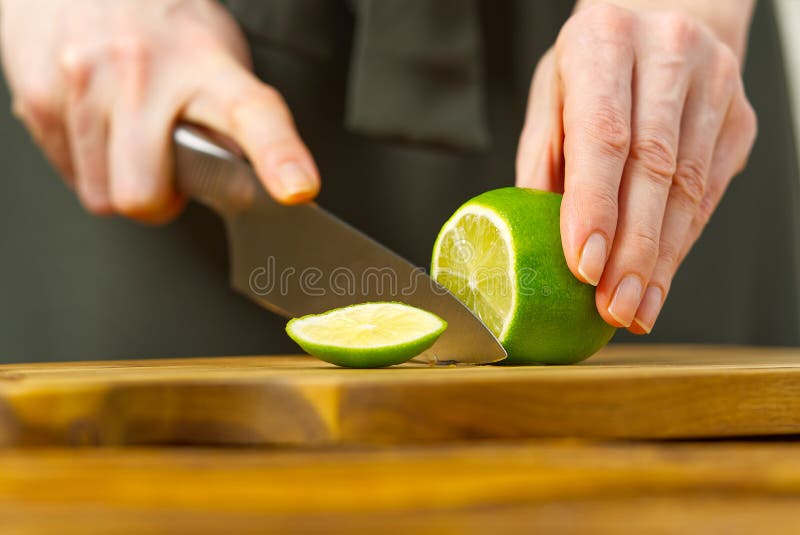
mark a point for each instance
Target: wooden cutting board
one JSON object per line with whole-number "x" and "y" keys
{"x": 623, "y": 392}
{"x": 561, "y": 486}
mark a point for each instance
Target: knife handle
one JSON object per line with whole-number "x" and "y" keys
{"x": 211, "y": 174}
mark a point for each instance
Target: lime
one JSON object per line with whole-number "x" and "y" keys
{"x": 369, "y": 335}
{"x": 501, "y": 254}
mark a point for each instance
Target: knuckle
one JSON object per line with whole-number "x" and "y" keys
{"x": 268, "y": 95}
{"x": 608, "y": 127}
{"x": 740, "y": 166}
{"x": 644, "y": 241}
{"x": 724, "y": 74}
{"x": 668, "y": 255}
{"x": 655, "y": 156}
{"x": 75, "y": 62}
{"x": 707, "y": 206}
{"x": 728, "y": 59}
{"x": 719, "y": 91}
{"x": 749, "y": 122}
{"x": 131, "y": 55}
{"x": 34, "y": 105}
{"x": 689, "y": 183}
{"x": 727, "y": 63}
{"x": 83, "y": 125}
{"x": 260, "y": 98}
{"x": 598, "y": 205}
{"x": 681, "y": 32}
{"x": 544, "y": 71}
{"x": 673, "y": 65}
{"x": 130, "y": 49}
{"x": 607, "y": 20}
{"x": 279, "y": 150}
{"x": 746, "y": 127}
{"x": 704, "y": 211}
{"x": 601, "y": 23}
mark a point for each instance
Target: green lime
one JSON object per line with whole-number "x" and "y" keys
{"x": 501, "y": 254}
{"x": 369, "y": 335}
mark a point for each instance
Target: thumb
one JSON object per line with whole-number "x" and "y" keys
{"x": 255, "y": 116}
{"x": 540, "y": 160}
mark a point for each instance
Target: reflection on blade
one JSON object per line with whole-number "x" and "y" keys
{"x": 297, "y": 260}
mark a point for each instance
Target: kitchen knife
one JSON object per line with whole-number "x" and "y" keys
{"x": 298, "y": 260}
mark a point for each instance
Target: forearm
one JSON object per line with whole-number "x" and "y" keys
{"x": 728, "y": 19}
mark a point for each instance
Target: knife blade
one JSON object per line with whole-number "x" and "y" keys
{"x": 301, "y": 259}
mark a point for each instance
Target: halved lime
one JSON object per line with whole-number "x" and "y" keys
{"x": 369, "y": 335}
{"x": 501, "y": 254}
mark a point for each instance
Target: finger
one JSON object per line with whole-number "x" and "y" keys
{"x": 540, "y": 161}
{"x": 254, "y": 115}
{"x": 706, "y": 107}
{"x": 733, "y": 147}
{"x": 595, "y": 74}
{"x": 86, "y": 127}
{"x": 660, "y": 88}
{"x": 47, "y": 130}
{"x": 140, "y": 150}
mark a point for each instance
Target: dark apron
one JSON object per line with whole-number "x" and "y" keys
{"x": 76, "y": 287}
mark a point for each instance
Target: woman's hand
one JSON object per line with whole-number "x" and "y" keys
{"x": 101, "y": 84}
{"x": 650, "y": 115}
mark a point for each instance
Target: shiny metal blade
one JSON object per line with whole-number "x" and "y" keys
{"x": 298, "y": 260}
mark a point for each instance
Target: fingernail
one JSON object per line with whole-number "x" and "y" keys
{"x": 649, "y": 308}
{"x": 626, "y": 300}
{"x": 295, "y": 182}
{"x": 593, "y": 258}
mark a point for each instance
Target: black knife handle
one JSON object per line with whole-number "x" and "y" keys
{"x": 211, "y": 174}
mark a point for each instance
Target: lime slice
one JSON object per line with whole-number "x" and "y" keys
{"x": 369, "y": 335}
{"x": 501, "y": 254}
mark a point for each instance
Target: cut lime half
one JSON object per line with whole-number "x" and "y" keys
{"x": 474, "y": 258}
{"x": 369, "y": 335}
{"x": 501, "y": 254}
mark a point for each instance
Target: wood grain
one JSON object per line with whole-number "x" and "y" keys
{"x": 563, "y": 486}
{"x": 623, "y": 392}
